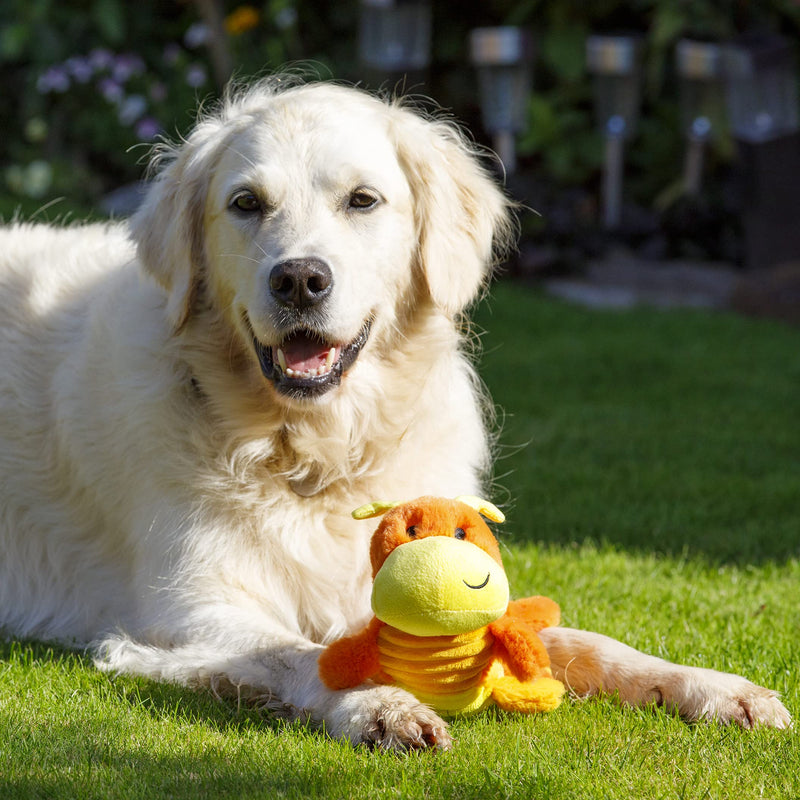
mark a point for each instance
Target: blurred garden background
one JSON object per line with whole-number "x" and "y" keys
{"x": 88, "y": 84}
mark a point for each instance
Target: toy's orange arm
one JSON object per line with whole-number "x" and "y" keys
{"x": 519, "y": 646}
{"x": 349, "y": 661}
{"x": 538, "y": 612}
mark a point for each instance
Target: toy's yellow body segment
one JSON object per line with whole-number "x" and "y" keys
{"x": 459, "y": 674}
{"x": 446, "y": 672}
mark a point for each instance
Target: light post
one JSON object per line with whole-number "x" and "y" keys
{"x": 764, "y": 117}
{"x": 503, "y": 58}
{"x": 762, "y": 90}
{"x": 700, "y": 70}
{"x": 614, "y": 62}
{"x": 395, "y": 35}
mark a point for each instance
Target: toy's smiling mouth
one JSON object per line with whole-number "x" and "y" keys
{"x": 481, "y": 585}
{"x": 304, "y": 364}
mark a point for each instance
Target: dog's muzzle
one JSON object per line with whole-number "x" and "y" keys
{"x": 305, "y": 363}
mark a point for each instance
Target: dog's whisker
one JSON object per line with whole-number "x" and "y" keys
{"x": 240, "y": 256}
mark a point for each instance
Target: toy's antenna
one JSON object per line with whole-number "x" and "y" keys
{"x": 372, "y": 510}
{"x": 484, "y": 507}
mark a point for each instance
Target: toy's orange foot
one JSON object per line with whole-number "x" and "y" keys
{"x": 542, "y": 694}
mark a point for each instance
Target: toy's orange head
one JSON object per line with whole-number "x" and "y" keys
{"x": 431, "y": 516}
{"x": 436, "y": 565}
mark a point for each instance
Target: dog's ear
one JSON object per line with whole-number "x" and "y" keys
{"x": 168, "y": 227}
{"x": 463, "y": 219}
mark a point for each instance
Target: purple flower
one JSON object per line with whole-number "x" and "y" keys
{"x": 55, "y": 79}
{"x": 126, "y": 66}
{"x": 196, "y": 35}
{"x": 147, "y": 128}
{"x": 111, "y": 90}
{"x": 196, "y": 75}
{"x": 101, "y": 59}
{"x": 80, "y": 68}
{"x": 131, "y": 109}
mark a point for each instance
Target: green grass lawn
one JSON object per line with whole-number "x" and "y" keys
{"x": 650, "y": 468}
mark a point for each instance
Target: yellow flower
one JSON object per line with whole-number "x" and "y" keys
{"x": 241, "y": 19}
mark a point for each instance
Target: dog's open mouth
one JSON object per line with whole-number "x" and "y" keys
{"x": 303, "y": 365}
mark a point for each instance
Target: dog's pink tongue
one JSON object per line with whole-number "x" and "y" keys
{"x": 303, "y": 354}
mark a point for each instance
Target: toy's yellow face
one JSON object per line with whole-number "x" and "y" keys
{"x": 439, "y": 585}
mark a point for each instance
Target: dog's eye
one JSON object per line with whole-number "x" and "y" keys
{"x": 246, "y": 202}
{"x": 361, "y": 200}
{"x": 460, "y": 533}
{"x": 411, "y": 532}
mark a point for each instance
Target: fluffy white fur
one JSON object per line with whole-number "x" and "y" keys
{"x": 162, "y": 501}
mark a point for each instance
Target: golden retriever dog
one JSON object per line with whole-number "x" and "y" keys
{"x": 191, "y": 405}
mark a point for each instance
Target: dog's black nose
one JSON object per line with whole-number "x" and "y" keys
{"x": 301, "y": 282}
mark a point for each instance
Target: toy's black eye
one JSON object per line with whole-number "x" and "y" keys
{"x": 246, "y": 202}
{"x": 412, "y": 531}
{"x": 460, "y": 533}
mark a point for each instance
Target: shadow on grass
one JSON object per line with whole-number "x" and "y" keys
{"x": 162, "y": 701}
{"x": 189, "y": 745}
{"x": 213, "y": 746}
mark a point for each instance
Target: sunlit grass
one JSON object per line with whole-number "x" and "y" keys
{"x": 651, "y": 470}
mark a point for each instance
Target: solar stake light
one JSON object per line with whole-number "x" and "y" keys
{"x": 395, "y": 35}
{"x": 761, "y": 87}
{"x": 503, "y": 58}
{"x": 615, "y": 63}
{"x": 763, "y": 112}
{"x": 700, "y": 69}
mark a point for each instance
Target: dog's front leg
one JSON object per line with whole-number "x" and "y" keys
{"x": 281, "y": 672}
{"x": 380, "y": 716}
{"x": 590, "y": 663}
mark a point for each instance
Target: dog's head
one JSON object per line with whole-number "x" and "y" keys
{"x": 314, "y": 219}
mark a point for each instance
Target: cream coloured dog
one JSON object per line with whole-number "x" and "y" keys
{"x": 191, "y": 405}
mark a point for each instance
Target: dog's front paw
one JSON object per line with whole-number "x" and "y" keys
{"x": 726, "y": 699}
{"x": 387, "y": 718}
{"x": 751, "y": 706}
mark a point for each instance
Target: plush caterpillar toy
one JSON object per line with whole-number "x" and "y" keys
{"x": 444, "y": 628}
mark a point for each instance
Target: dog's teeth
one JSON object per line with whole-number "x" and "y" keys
{"x": 323, "y": 369}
